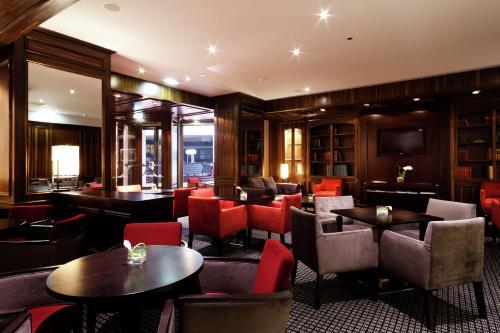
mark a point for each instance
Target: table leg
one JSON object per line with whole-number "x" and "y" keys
{"x": 422, "y": 230}
{"x": 130, "y": 319}
{"x": 91, "y": 318}
{"x": 339, "y": 220}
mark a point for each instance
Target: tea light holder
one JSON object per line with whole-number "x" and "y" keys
{"x": 384, "y": 210}
{"x": 136, "y": 255}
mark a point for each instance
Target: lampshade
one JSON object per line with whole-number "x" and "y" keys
{"x": 284, "y": 171}
{"x": 300, "y": 172}
{"x": 66, "y": 160}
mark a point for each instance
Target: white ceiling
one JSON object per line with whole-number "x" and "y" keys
{"x": 392, "y": 40}
{"x": 50, "y": 100}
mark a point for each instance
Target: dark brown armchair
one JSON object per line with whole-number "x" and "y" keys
{"x": 60, "y": 243}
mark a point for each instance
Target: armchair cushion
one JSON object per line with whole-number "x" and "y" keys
{"x": 154, "y": 233}
{"x": 450, "y": 210}
{"x": 324, "y": 204}
{"x": 288, "y": 188}
{"x": 181, "y": 201}
{"x": 275, "y": 268}
{"x": 270, "y": 184}
{"x": 67, "y": 227}
{"x": 265, "y": 218}
{"x": 31, "y": 213}
{"x": 203, "y": 193}
{"x": 256, "y": 182}
{"x": 228, "y": 275}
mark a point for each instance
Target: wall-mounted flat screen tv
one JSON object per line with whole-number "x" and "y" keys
{"x": 401, "y": 141}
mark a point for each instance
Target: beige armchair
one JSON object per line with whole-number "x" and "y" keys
{"x": 452, "y": 253}
{"x": 324, "y": 205}
{"x": 330, "y": 252}
{"x": 447, "y": 210}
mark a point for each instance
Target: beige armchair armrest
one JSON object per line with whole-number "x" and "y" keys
{"x": 406, "y": 257}
{"x": 346, "y": 251}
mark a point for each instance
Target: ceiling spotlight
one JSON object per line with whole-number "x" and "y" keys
{"x": 324, "y": 15}
{"x": 187, "y": 79}
{"x": 349, "y": 38}
{"x": 261, "y": 79}
{"x": 322, "y": 109}
{"x": 84, "y": 115}
{"x": 366, "y": 104}
{"x": 139, "y": 116}
{"x": 41, "y": 101}
{"x": 203, "y": 74}
{"x": 170, "y": 81}
{"x": 296, "y": 51}
{"x": 307, "y": 89}
{"x": 141, "y": 70}
{"x": 416, "y": 99}
{"x": 112, "y": 7}
{"x": 72, "y": 91}
{"x": 212, "y": 49}
{"x": 475, "y": 92}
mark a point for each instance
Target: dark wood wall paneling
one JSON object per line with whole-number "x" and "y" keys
{"x": 42, "y": 136}
{"x": 58, "y": 51}
{"x": 5, "y": 125}
{"x": 20, "y": 17}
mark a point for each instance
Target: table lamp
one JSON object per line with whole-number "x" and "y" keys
{"x": 65, "y": 162}
{"x": 284, "y": 171}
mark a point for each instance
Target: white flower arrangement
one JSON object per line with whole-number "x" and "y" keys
{"x": 403, "y": 170}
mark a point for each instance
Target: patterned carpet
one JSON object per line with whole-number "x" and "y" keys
{"x": 347, "y": 307}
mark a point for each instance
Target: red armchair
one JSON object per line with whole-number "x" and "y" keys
{"x": 154, "y": 233}
{"x": 193, "y": 182}
{"x": 203, "y": 192}
{"x": 276, "y": 218}
{"x": 329, "y": 187}
{"x": 495, "y": 218}
{"x": 207, "y": 216}
{"x": 31, "y": 213}
{"x": 490, "y": 190}
{"x": 181, "y": 201}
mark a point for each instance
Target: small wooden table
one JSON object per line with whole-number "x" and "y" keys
{"x": 308, "y": 202}
{"x": 396, "y": 217}
{"x": 105, "y": 280}
{"x": 257, "y": 200}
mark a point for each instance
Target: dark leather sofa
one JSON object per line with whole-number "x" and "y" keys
{"x": 264, "y": 185}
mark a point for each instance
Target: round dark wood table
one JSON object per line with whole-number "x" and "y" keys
{"x": 105, "y": 280}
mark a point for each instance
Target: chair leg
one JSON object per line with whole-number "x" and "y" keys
{"x": 429, "y": 311}
{"x": 282, "y": 239}
{"x": 294, "y": 272}
{"x": 481, "y": 304}
{"x": 317, "y": 292}
{"x": 268, "y": 235}
{"x": 190, "y": 241}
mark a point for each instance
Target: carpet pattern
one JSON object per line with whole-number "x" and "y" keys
{"x": 347, "y": 307}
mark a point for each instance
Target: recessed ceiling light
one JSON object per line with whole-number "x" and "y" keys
{"x": 141, "y": 70}
{"x": 212, "y": 49}
{"x": 139, "y": 116}
{"x": 112, "y": 7}
{"x": 296, "y": 51}
{"x": 72, "y": 91}
{"x": 349, "y": 38}
{"x": 84, "y": 115}
{"x": 170, "y": 81}
{"x": 187, "y": 79}
{"x": 41, "y": 100}
{"x": 475, "y": 92}
{"x": 366, "y": 104}
{"x": 324, "y": 15}
{"x": 203, "y": 74}
{"x": 117, "y": 95}
{"x": 307, "y": 89}
{"x": 416, "y": 99}
{"x": 261, "y": 79}
{"x": 322, "y": 109}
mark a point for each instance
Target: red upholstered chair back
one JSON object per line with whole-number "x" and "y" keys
{"x": 94, "y": 185}
{"x": 275, "y": 268}
{"x": 294, "y": 200}
{"x": 204, "y": 216}
{"x": 159, "y": 233}
{"x": 193, "y": 182}
{"x": 330, "y": 184}
{"x": 68, "y": 227}
{"x": 492, "y": 188}
{"x": 181, "y": 201}
{"x": 31, "y": 213}
{"x": 203, "y": 193}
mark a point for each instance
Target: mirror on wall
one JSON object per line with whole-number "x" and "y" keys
{"x": 64, "y": 121}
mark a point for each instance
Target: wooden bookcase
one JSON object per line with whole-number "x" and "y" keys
{"x": 477, "y": 147}
{"x": 332, "y": 150}
{"x": 251, "y": 144}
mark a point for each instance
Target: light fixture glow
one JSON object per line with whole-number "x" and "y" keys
{"x": 203, "y": 74}
{"x": 416, "y": 99}
{"x": 366, "y": 104}
{"x": 170, "y": 81}
{"x": 284, "y": 171}
{"x": 84, "y": 115}
{"x": 324, "y": 15}
{"x": 296, "y": 51}
{"x": 41, "y": 101}
{"x": 212, "y": 49}
{"x": 112, "y": 7}
{"x": 187, "y": 79}
{"x": 322, "y": 109}
{"x": 72, "y": 91}
{"x": 475, "y": 92}
{"x": 65, "y": 160}
{"x": 141, "y": 70}
{"x": 117, "y": 95}
{"x": 307, "y": 89}
{"x": 139, "y": 116}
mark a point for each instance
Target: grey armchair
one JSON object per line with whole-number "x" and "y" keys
{"x": 330, "y": 252}
{"x": 232, "y": 307}
{"x": 452, "y": 253}
{"x": 447, "y": 210}
{"x": 323, "y": 206}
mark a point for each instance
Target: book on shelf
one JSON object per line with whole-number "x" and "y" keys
{"x": 497, "y": 154}
{"x": 464, "y": 172}
{"x": 337, "y": 156}
{"x": 489, "y": 153}
{"x": 340, "y": 170}
{"x": 463, "y": 154}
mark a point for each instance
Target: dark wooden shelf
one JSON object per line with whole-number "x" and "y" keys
{"x": 344, "y": 162}
{"x": 343, "y": 148}
{"x": 320, "y": 162}
{"x": 475, "y": 161}
{"x": 344, "y": 134}
{"x": 320, "y": 148}
{"x": 474, "y": 143}
{"x": 320, "y": 136}
{"x": 475, "y": 127}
